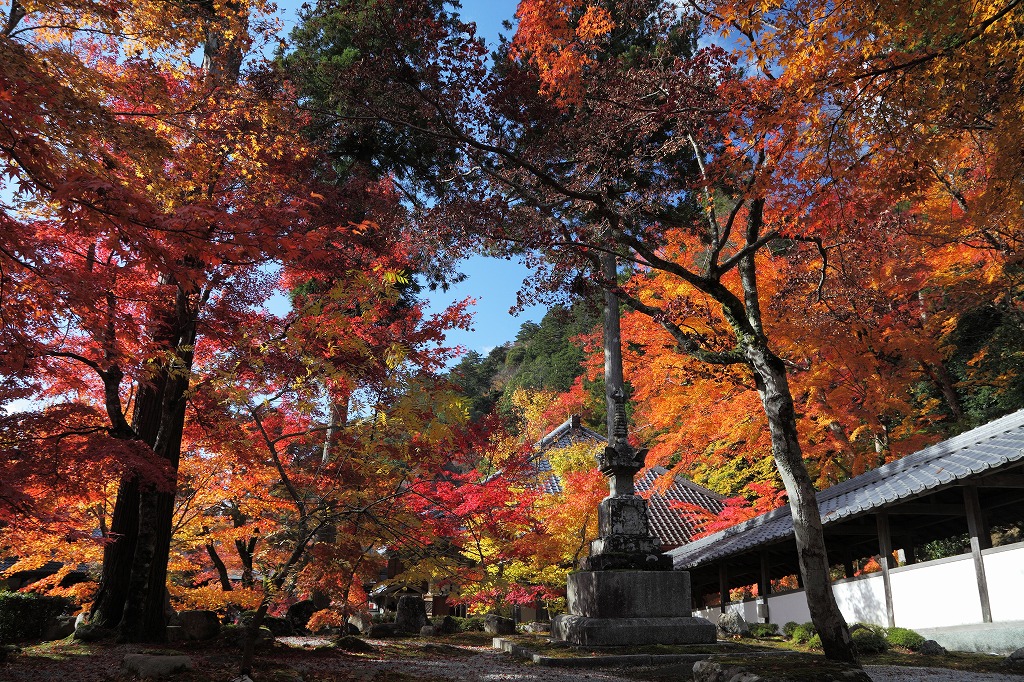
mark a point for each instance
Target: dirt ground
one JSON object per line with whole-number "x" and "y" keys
{"x": 298, "y": 659}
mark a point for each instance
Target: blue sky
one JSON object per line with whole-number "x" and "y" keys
{"x": 492, "y": 282}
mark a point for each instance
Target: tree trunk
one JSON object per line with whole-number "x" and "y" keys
{"x": 245, "y": 552}
{"x": 252, "y": 633}
{"x": 222, "y": 570}
{"x": 940, "y": 376}
{"x": 613, "y": 381}
{"x": 133, "y": 585}
{"x": 773, "y": 386}
{"x": 118, "y": 555}
{"x": 131, "y": 596}
{"x": 132, "y": 626}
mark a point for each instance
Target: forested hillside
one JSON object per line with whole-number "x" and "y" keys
{"x": 548, "y": 356}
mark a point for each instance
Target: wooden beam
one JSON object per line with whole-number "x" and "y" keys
{"x": 850, "y": 531}
{"x": 885, "y": 556}
{"x": 764, "y": 587}
{"x": 1001, "y": 481}
{"x": 923, "y": 509}
{"x": 980, "y": 539}
{"x": 723, "y": 586}
{"x": 910, "y": 549}
{"x": 847, "y": 562}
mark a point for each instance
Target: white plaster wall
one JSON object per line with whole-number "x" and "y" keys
{"x": 936, "y": 594}
{"x": 711, "y": 614}
{"x": 862, "y": 599}
{"x": 926, "y": 595}
{"x": 1004, "y": 571}
{"x": 747, "y": 609}
{"x": 786, "y": 607}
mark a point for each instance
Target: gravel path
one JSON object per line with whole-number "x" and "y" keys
{"x": 481, "y": 663}
{"x": 892, "y": 673}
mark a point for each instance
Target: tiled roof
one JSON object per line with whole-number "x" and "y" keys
{"x": 971, "y": 453}
{"x": 669, "y": 525}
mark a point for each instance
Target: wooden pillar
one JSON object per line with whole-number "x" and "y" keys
{"x": 723, "y": 586}
{"x": 764, "y": 588}
{"x": 909, "y": 550}
{"x": 848, "y": 563}
{"x": 885, "y": 556}
{"x": 980, "y": 540}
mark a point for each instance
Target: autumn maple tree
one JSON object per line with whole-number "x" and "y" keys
{"x": 631, "y": 167}
{"x": 159, "y": 205}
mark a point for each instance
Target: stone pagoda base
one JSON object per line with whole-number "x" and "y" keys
{"x": 621, "y": 608}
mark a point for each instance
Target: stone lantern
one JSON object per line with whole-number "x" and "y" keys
{"x": 627, "y": 592}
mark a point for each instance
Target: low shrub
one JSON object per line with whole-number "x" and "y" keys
{"x": 904, "y": 638}
{"x": 470, "y": 624}
{"x": 869, "y": 641}
{"x": 25, "y": 615}
{"x": 814, "y": 643}
{"x": 763, "y": 630}
{"x": 788, "y": 628}
{"x": 802, "y": 633}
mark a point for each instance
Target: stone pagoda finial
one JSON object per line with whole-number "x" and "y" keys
{"x": 625, "y": 541}
{"x": 621, "y": 433}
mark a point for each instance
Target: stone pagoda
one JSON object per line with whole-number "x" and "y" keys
{"x": 627, "y": 592}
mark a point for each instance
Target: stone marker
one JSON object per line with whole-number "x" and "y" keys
{"x": 361, "y": 621}
{"x": 411, "y": 613}
{"x": 428, "y": 631}
{"x": 627, "y": 592}
{"x": 448, "y": 626}
{"x": 59, "y": 628}
{"x": 199, "y": 625}
{"x": 148, "y": 666}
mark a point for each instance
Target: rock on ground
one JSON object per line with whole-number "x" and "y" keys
{"x": 381, "y": 630}
{"x": 931, "y": 648}
{"x": 447, "y": 626}
{"x": 732, "y": 623}
{"x": 299, "y": 614}
{"x": 499, "y": 625}
{"x": 234, "y": 635}
{"x": 149, "y": 666}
